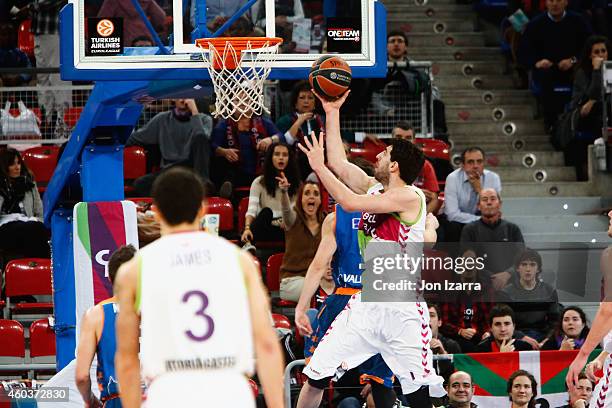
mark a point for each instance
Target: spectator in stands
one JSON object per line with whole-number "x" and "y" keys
{"x": 142, "y": 41}
{"x": 491, "y": 228}
{"x": 549, "y": 47}
{"x": 426, "y": 180}
{"x": 280, "y": 180}
{"x": 465, "y": 314}
{"x": 302, "y": 237}
{"x": 570, "y": 332}
{"x": 439, "y": 344}
{"x": 45, "y": 26}
{"x": 462, "y": 189}
{"x": 305, "y": 119}
{"x": 503, "y": 337}
{"x": 182, "y": 136}
{"x": 286, "y": 12}
{"x": 133, "y": 26}
{"x": 460, "y": 390}
{"x": 22, "y": 233}
{"x": 580, "y": 395}
{"x": 97, "y": 338}
{"x": 301, "y": 122}
{"x": 240, "y": 148}
{"x": 522, "y": 389}
{"x": 12, "y": 57}
{"x": 587, "y": 95}
{"x": 402, "y": 83}
{"x": 535, "y": 303}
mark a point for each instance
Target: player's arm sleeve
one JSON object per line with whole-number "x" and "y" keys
{"x": 127, "y": 363}
{"x": 269, "y": 358}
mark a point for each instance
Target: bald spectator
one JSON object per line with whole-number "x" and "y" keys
{"x": 426, "y": 180}
{"x": 462, "y": 189}
{"x": 460, "y": 390}
{"x": 491, "y": 228}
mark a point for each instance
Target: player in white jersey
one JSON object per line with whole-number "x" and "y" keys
{"x": 202, "y": 311}
{"x": 393, "y": 211}
{"x": 600, "y": 330}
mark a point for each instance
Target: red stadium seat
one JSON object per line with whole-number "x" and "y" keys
{"x": 225, "y": 210}
{"x": 134, "y": 165}
{"x": 42, "y": 161}
{"x": 368, "y": 150}
{"x": 433, "y": 148}
{"x": 243, "y": 206}
{"x": 12, "y": 342}
{"x": 28, "y": 276}
{"x": 25, "y": 38}
{"x": 42, "y": 339}
{"x": 273, "y": 280}
{"x": 281, "y": 321}
{"x": 72, "y": 115}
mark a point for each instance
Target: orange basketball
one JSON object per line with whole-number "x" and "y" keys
{"x": 330, "y": 76}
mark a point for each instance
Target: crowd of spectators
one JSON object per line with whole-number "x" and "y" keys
{"x": 514, "y": 310}
{"x": 557, "y": 52}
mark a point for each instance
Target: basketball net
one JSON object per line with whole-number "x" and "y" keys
{"x": 238, "y": 81}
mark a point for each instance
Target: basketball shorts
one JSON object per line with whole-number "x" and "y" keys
{"x": 398, "y": 331}
{"x": 602, "y": 394}
{"x": 197, "y": 389}
{"x": 373, "y": 369}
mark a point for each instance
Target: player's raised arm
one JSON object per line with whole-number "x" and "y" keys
{"x": 269, "y": 358}
{"x": 127, "y": 363}
{"x": 318, "y": 266}
{"x": 394, "y": 200}
{"x": 352, "y": 175}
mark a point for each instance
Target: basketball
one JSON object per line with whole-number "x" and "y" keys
{"x": 330, "y": 76}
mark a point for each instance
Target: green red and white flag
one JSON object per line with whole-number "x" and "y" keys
{"x": 490, "y": 372}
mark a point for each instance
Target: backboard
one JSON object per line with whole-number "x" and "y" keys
{"x": 104, "y": 40}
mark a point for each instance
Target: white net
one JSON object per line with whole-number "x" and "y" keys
{"x": 238, "y": 76}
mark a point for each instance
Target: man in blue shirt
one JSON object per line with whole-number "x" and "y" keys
{"x": 462, "y": 189}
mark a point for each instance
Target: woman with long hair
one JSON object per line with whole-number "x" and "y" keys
{"x": 587, "y": 96}
{"x": 522, "y": 389}
{"x": 570, "y": 332}
{"x": 263, "y": 220}
{"x": 22, "y": 233}
{"x": 302, "y": 236}
{"x": 302, "y": 121}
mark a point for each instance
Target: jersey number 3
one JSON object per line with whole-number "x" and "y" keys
{"x": 201, "y": 313}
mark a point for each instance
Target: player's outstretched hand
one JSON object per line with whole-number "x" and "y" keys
{"x": 315, "y": 150}
{"x": 329, "y": 106}
{"x": 302, "y": 322}
{"x": 571, "y": 379}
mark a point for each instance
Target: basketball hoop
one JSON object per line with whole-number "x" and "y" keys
{"x": 238, "y": 81}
